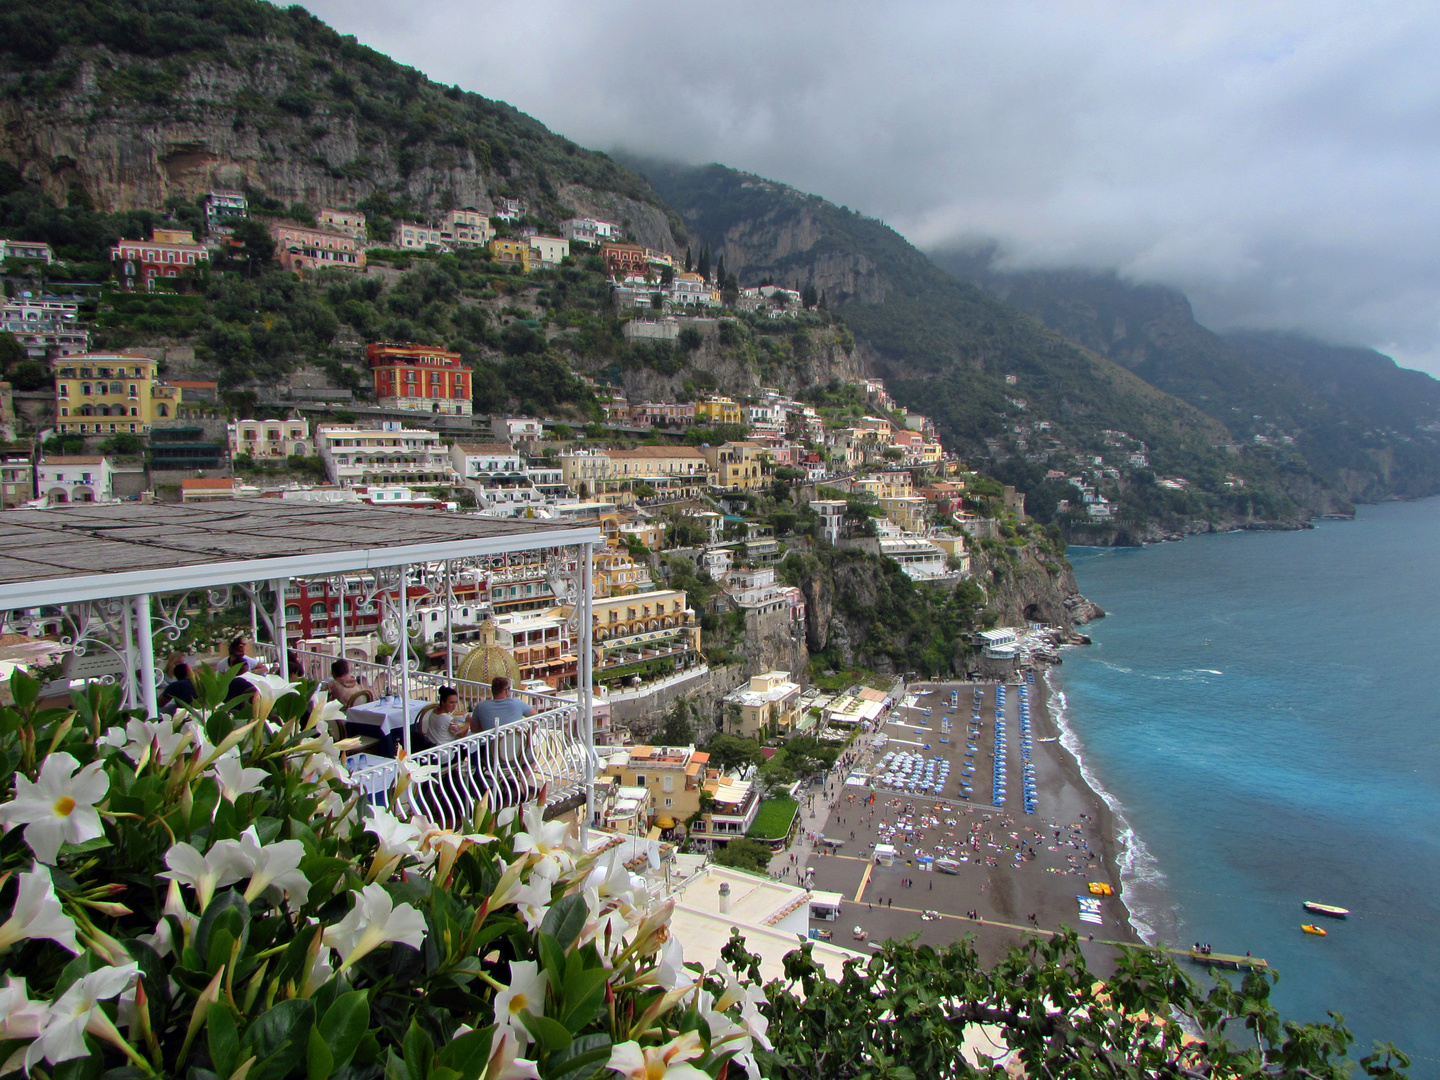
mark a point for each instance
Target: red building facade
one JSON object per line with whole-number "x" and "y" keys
{"x": 421, "y": 378}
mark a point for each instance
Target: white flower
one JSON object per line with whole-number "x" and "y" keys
{"x": 157, "y": 737}
{"x": 445, "y": 846}
{"x": 397, "y": 840}
{"x": 323, "y": 710}
{"x": 59, "y": 808}
{"x": 234, "y": 779}
{"x": 668, "y": 1062}
{"x": 525, "y": 992}
{"x": 77, "y": 1012}
{"x": 504, "y": 1065}
{"x": 38, "y": 914}
{"x": 21, "y": 1018}
{"x": 276, "y": 865}
{"x": 533, "y": 899}
{"x": 672, "y": 973}
{"x": 544, "y": 841}
{"x": 319, "y": 973}
{"x": 225, "y": 863}
{"x": 373, "y": 921}
{"x": 269, "y": 689}
{"x": 752, "y": 1020}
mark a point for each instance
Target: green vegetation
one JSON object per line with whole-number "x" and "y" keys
{"x": 744, "y": 854}
{"x": 774, "y": 818}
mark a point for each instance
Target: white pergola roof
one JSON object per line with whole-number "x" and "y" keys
{"x": 93, "y": 552}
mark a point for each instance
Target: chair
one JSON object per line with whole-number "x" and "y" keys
{"x": 362, "y": 696}
{"x": 338, "y": 732}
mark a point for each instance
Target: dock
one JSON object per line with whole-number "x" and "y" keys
{"x": 1222, "y": 960}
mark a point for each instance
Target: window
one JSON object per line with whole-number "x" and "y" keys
{"x": 292, "y": 611}
{"x": 85, "y": 389}
{"x": 639, "y": 780}
{"x": 669, "y": 802}
{"x": 669, "y": 785}
{"x": 318, "y": 608}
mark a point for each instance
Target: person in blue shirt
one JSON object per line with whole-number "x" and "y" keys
{"x": 507, "y": 758}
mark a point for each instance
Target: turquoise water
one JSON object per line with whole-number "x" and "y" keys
{"x": 1263, "y": 709}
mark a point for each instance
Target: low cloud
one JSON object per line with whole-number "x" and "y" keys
{"x": 1278, "y": 161}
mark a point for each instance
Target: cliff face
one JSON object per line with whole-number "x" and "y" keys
{"x": 298, "y": 122}
{"x": 1032, "y": 585}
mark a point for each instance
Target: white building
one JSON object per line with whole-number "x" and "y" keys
{"x": 45, "y": 326}
{"x": 75, "y": 479}
{"x": 26, "y": 249}
{"x": 509, "y": 209}
{"x": 466, "y": 228}
{"x": 389, "y": 454}
{"x": 585, "y": 230}
{"x": 269, "y": 438}
{"x": 409, "y": 235}
{"x": 920, "y": 559}
{"x": 516, "y": 428}
{"x": 832, "y": 517}
{"x": 547, "y": 251}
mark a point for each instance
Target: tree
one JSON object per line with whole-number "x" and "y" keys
{"x": 720, "y": 272}
{"x": 678, "y": 731}
{"x": 704, "y": 268}
{"x": 733, "y": 752}
{"x": 744, "y": 854}
{"x": 256, "y": 247}
{"x": 667, "y": 276}
{"x": 687, "y": 259}
{"x": 809, "y": 298}
{"x": 904, "y": 1012}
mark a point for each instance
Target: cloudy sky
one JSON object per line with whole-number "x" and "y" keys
{"x": 1279, "y": 161}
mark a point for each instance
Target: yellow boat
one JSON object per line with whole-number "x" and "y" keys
{"x": 1101, "y": 888}
{"x": 1311, "y": 928}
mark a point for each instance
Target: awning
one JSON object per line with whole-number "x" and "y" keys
{"x": 665, "y": 822}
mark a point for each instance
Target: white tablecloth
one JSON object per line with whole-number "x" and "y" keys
{"x": 388, "y": 716}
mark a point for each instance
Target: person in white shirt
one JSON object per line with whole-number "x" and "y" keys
{"x": 442, "y": 725}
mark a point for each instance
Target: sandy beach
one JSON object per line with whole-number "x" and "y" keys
{"x": 1016, "y": 870}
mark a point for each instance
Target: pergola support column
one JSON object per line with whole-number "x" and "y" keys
{"x": 282, "y": 652}
{"x": 146, "y": 643}
{"x": 405, "y": 655}
{"x": 584, "y": 686}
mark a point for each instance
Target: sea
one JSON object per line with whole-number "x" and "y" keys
{"x": 1262, "y": 710}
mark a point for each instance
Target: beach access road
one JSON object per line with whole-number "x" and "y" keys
{"x": 1013, "y": 865}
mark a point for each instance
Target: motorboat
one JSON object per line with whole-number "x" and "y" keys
{"x": 1326, "y": 909}
{"x": 1311, "y": 928}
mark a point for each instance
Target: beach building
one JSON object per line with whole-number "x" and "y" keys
{"x": 767, "y": 706}
{"x": 109, "y": 393}
{"x": 672, "y": 775}
{"x": 75, "y": 478}
{"x": 388, "y": 454}
{"x": 268, "y": 439}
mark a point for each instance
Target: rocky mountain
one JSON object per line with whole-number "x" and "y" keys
{"x": 984, "y": 369}
{"x": 130, "y": 105}
{"x": 1364, "y": 426}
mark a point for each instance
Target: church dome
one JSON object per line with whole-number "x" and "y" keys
{"x": 487, "y": 660}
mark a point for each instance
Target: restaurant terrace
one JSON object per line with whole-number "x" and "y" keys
{"x": 124, "y": 575}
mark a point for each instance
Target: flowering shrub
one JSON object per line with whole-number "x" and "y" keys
{"x": 209, "y": 897}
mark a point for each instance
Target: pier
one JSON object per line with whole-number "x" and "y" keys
{"x": 1222, "y": 960}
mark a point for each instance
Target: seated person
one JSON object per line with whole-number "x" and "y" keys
{"x": 445, "y": 723}
{"x": 500, "y": 710}
{"x": 342, "y": 684}
{"x": 237, "y": 656}
{"x": 180, "y": 691}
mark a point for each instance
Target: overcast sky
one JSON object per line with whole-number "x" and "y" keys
{"x": 1278, "y": 161}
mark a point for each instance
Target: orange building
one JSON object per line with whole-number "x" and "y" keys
{"x": 421, "y": 378}
{"x": 622, "y": 259}
{"x": 300, "y": 247}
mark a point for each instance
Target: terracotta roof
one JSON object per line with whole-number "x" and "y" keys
{"x": 76, "y": 459}
{"x": 207, "y": 484}
{"x": 484, "y": 448}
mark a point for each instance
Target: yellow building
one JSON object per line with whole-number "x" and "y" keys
{"x": 909, "y": 512}
{"x": 615, "y": 474}
{"x": 509, "y": 252}
{"x": 738, "y": 466}
{"x": 769, "y": 706}
{"x": 672, "y": 775}
{"x": 110, "y": 394}
{"x": 639, "y": 627}
{"x": 719, "y": 410}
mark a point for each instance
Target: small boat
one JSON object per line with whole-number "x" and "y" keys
{"x": 1326, "y": 909}
{"x": 1311, "y": 928}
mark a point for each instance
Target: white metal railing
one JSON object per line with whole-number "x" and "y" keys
{"x": 510, "y": 764}
{"x": 384, "y": 679}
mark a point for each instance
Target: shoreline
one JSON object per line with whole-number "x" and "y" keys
{"x": 1122, "y": 850}
{"x": 1020, "y": 873}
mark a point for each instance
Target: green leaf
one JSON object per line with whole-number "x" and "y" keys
{"x": 395, "y": 1066}
{"x": 319, "y": 1062}
{"x": 344, "y": 1025}
{"x": 581, "y": 1059}
{"x": 419, "y": 1051}
{"x": 552, "y": 959}
{"x": 584, "y": 997}
{"x": 223, "y": 1038}
{"x": 230, "y": 911}
{"x": 284, "y": 1022}
{"x": 93, "y": 844}
{"x": 469, "y": 1054}
{"x": 76, "y": 969}
{"x": 551, "y": 1034}
{"x": 83, "y": 1068}
{"x": 25, "y": 690}
{"x": 565, "y": 919}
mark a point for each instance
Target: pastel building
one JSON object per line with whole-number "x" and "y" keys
{"x": 420, "y": 377}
